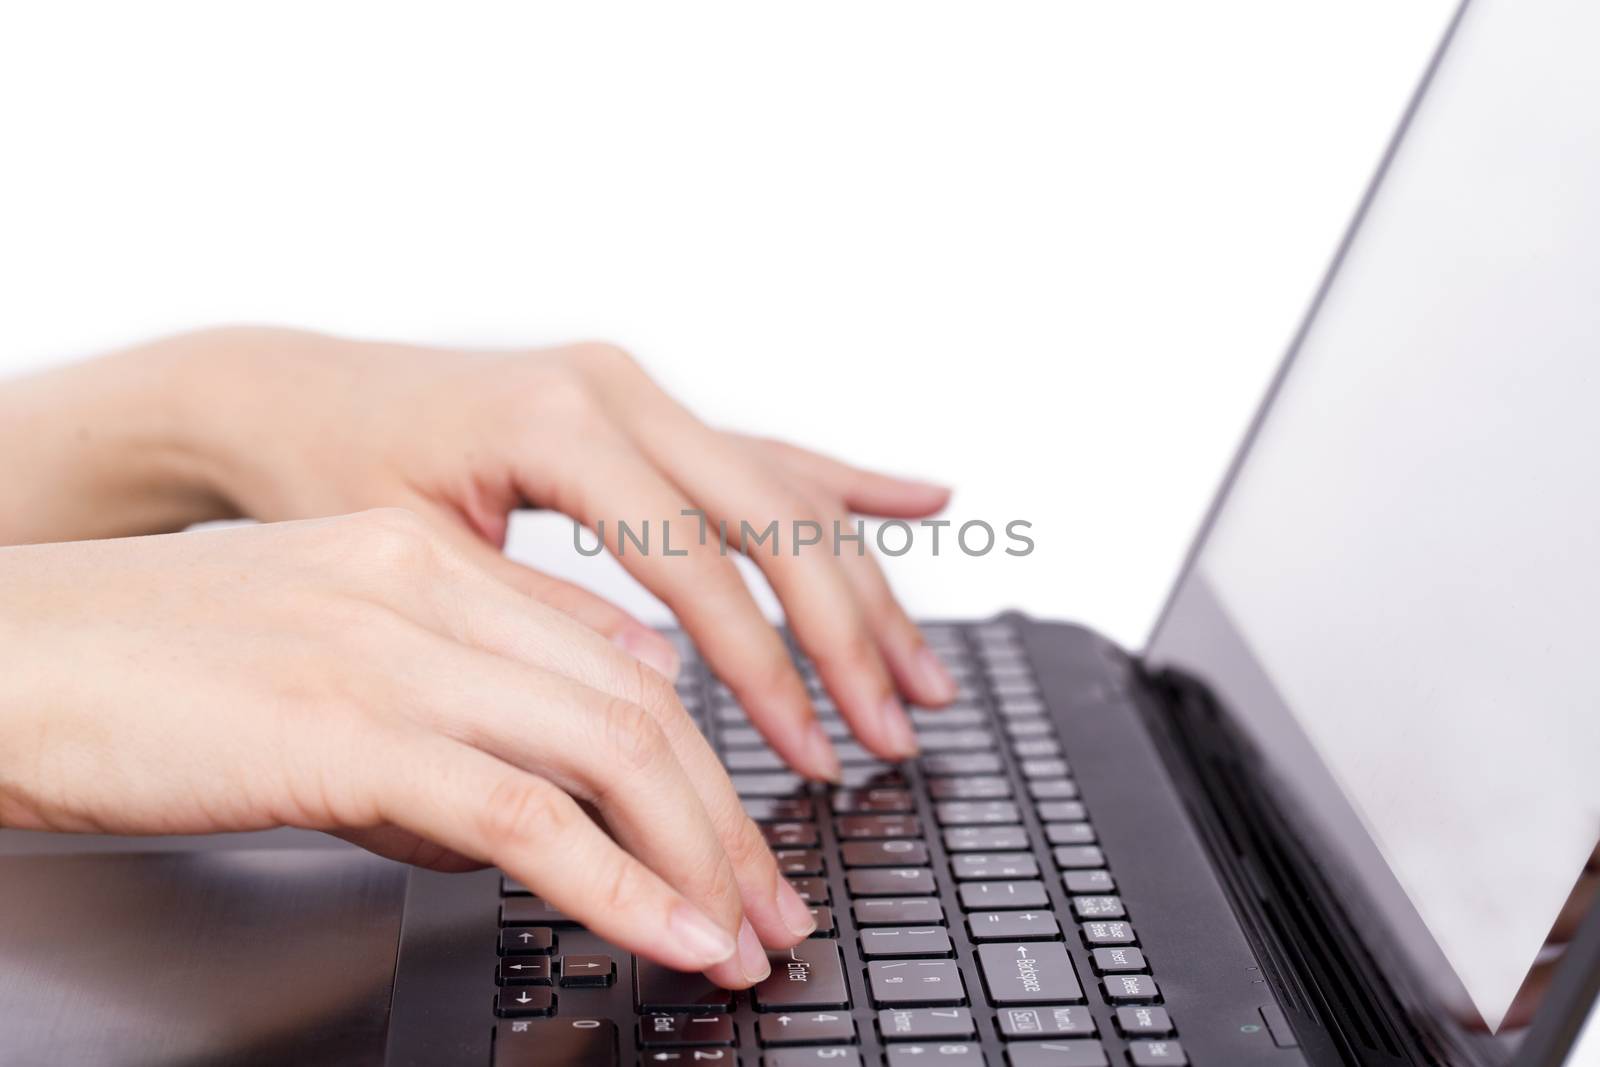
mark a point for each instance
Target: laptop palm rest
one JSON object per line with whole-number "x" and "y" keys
{"x": 252, "y": 956}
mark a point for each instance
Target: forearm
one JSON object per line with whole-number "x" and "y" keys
{"x": 100, "y": 449}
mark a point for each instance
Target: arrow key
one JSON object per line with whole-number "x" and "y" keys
{"x": 524, "y": 970}
{"x": 806, "y": 1028}
{"x": 944, "y": 1054}
{"x": 587, "y": 971}
{"x": 689, "y": 1057}
{"x": 521, "y": 1002}
{"x": 527, "y": 941}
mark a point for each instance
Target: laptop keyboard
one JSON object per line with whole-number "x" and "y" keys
{"x": 939, "y": 940}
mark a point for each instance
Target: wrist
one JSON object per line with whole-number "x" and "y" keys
{"x": 99, "y": 449}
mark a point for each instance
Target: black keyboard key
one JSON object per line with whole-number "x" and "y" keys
{"x": 976, "y": 812}
{"x": 973, "y": 740}
{"x": 1069, "y": 833}
{"x": 767, "y": 785}
{"x": 1036, "y": 748}
{"x": 872, "y": 802}
{"x": 1053, "y": 1021}
{"x": 948, "y": 718}
{"x": 806, "y": 1028}
{"x": 1145, "y": 1019}
{"x": 1034, "y": 972}
{"x": 1061, "y": 811}
{"x": 823, "y": 1056}
{"x": 811, "y": 890}
{"x": 944, "y": 1054}
{"x": 1074, "y": 1053}
{"x": 947, "y": 763}
{"x": 894, "y": 941}
{"x": 1052, "y": 789}
{"x": 985, "y": 838}
{"x": 531, "y": 911}
{"x": 1088, "y": 882}
{"x": 523, "y": 1001}
{"x": 510, "y": 887}
{"x": 975, "y": 787}
{"x": 781, "y": 809}
{"x": 523, "y": 970}
{"x": 675, "y": 1031}
{"x": 1025, "y": 728}
{"x": 1098, "y": 907}
{"x": 810, "y": 975}
{"x": 556, "y": 1043}
{"x": 527, "y": 941}
{"x": 894, "y": 852}
{"x": 890, "y": 882}
{"x": 873, "y": 776}
{"x": 1108, "y": 933}
{"x": 658, "y": 988}
{"x": 897, "y": 982}
{"x": 824, "y": 918}
{"x": 1121, "y": 988}
{"x": 903, "y": 911}
{"x": 1156, "y": 1054}
{"x": 1072, "y": 856}
{"x": 1012, "y": 925}
{"x": 753, "y": 759}
{"x": 691, "y": 1057}
{"x": 799, "y": 861}
{"x": 587, "y": 971}
{"x": 790, "y": 834}
{"x": 921, "y": 1024}
{"x": 1044, "y": 768}
{"x": 867, "y": 827}
{"x": 989, "y": 896}
{"x": 991, "y": 866}
{"x": 1119, "y": 959}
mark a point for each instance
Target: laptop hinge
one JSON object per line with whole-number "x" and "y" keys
{"x": 1342, "y": 1007}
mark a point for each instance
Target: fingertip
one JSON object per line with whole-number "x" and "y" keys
{"x": 822, "y": 759}
{"x": 649, "y": 648}
{"x": 932, "y": 679}
{"x": 896, "y": 727}
{"x": 706, "y": 943}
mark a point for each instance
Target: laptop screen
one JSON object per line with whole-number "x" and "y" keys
{"x": 1397, "y": 594}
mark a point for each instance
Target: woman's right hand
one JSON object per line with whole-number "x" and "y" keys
{"x": 359, "y": 676}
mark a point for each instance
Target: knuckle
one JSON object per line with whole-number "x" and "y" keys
{"x": 605, "y": 356}
{"x": 660, "y": 700}
{"x": 722, "y": 884}
{"x": 568, "y": 399}
{"x": 621, "y": 886}
{"x": 631, "y": 736}
{"x": 393, "y": 537}
{"x": 518, "y": 810}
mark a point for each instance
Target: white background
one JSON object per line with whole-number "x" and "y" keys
{"x": 1048, "y": 252}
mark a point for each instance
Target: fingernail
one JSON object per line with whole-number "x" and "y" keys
{"x": 820, "y": 756}
{"x": 707, "y": 941}
{"x": 794, "y": 912}
{"x": 649, "y": 648}
{"x": 897, "y": 727}
{"x": 752, "y": 957}
{"x": 935, "y": 675}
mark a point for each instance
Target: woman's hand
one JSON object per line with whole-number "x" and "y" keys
{"x": 363, "y": 675}
{"x": 294, "y": 425}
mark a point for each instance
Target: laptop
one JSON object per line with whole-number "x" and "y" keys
{"x": 1342, "y": 809}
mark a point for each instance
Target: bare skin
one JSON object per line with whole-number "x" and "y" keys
{"x": 389, "y": 675}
